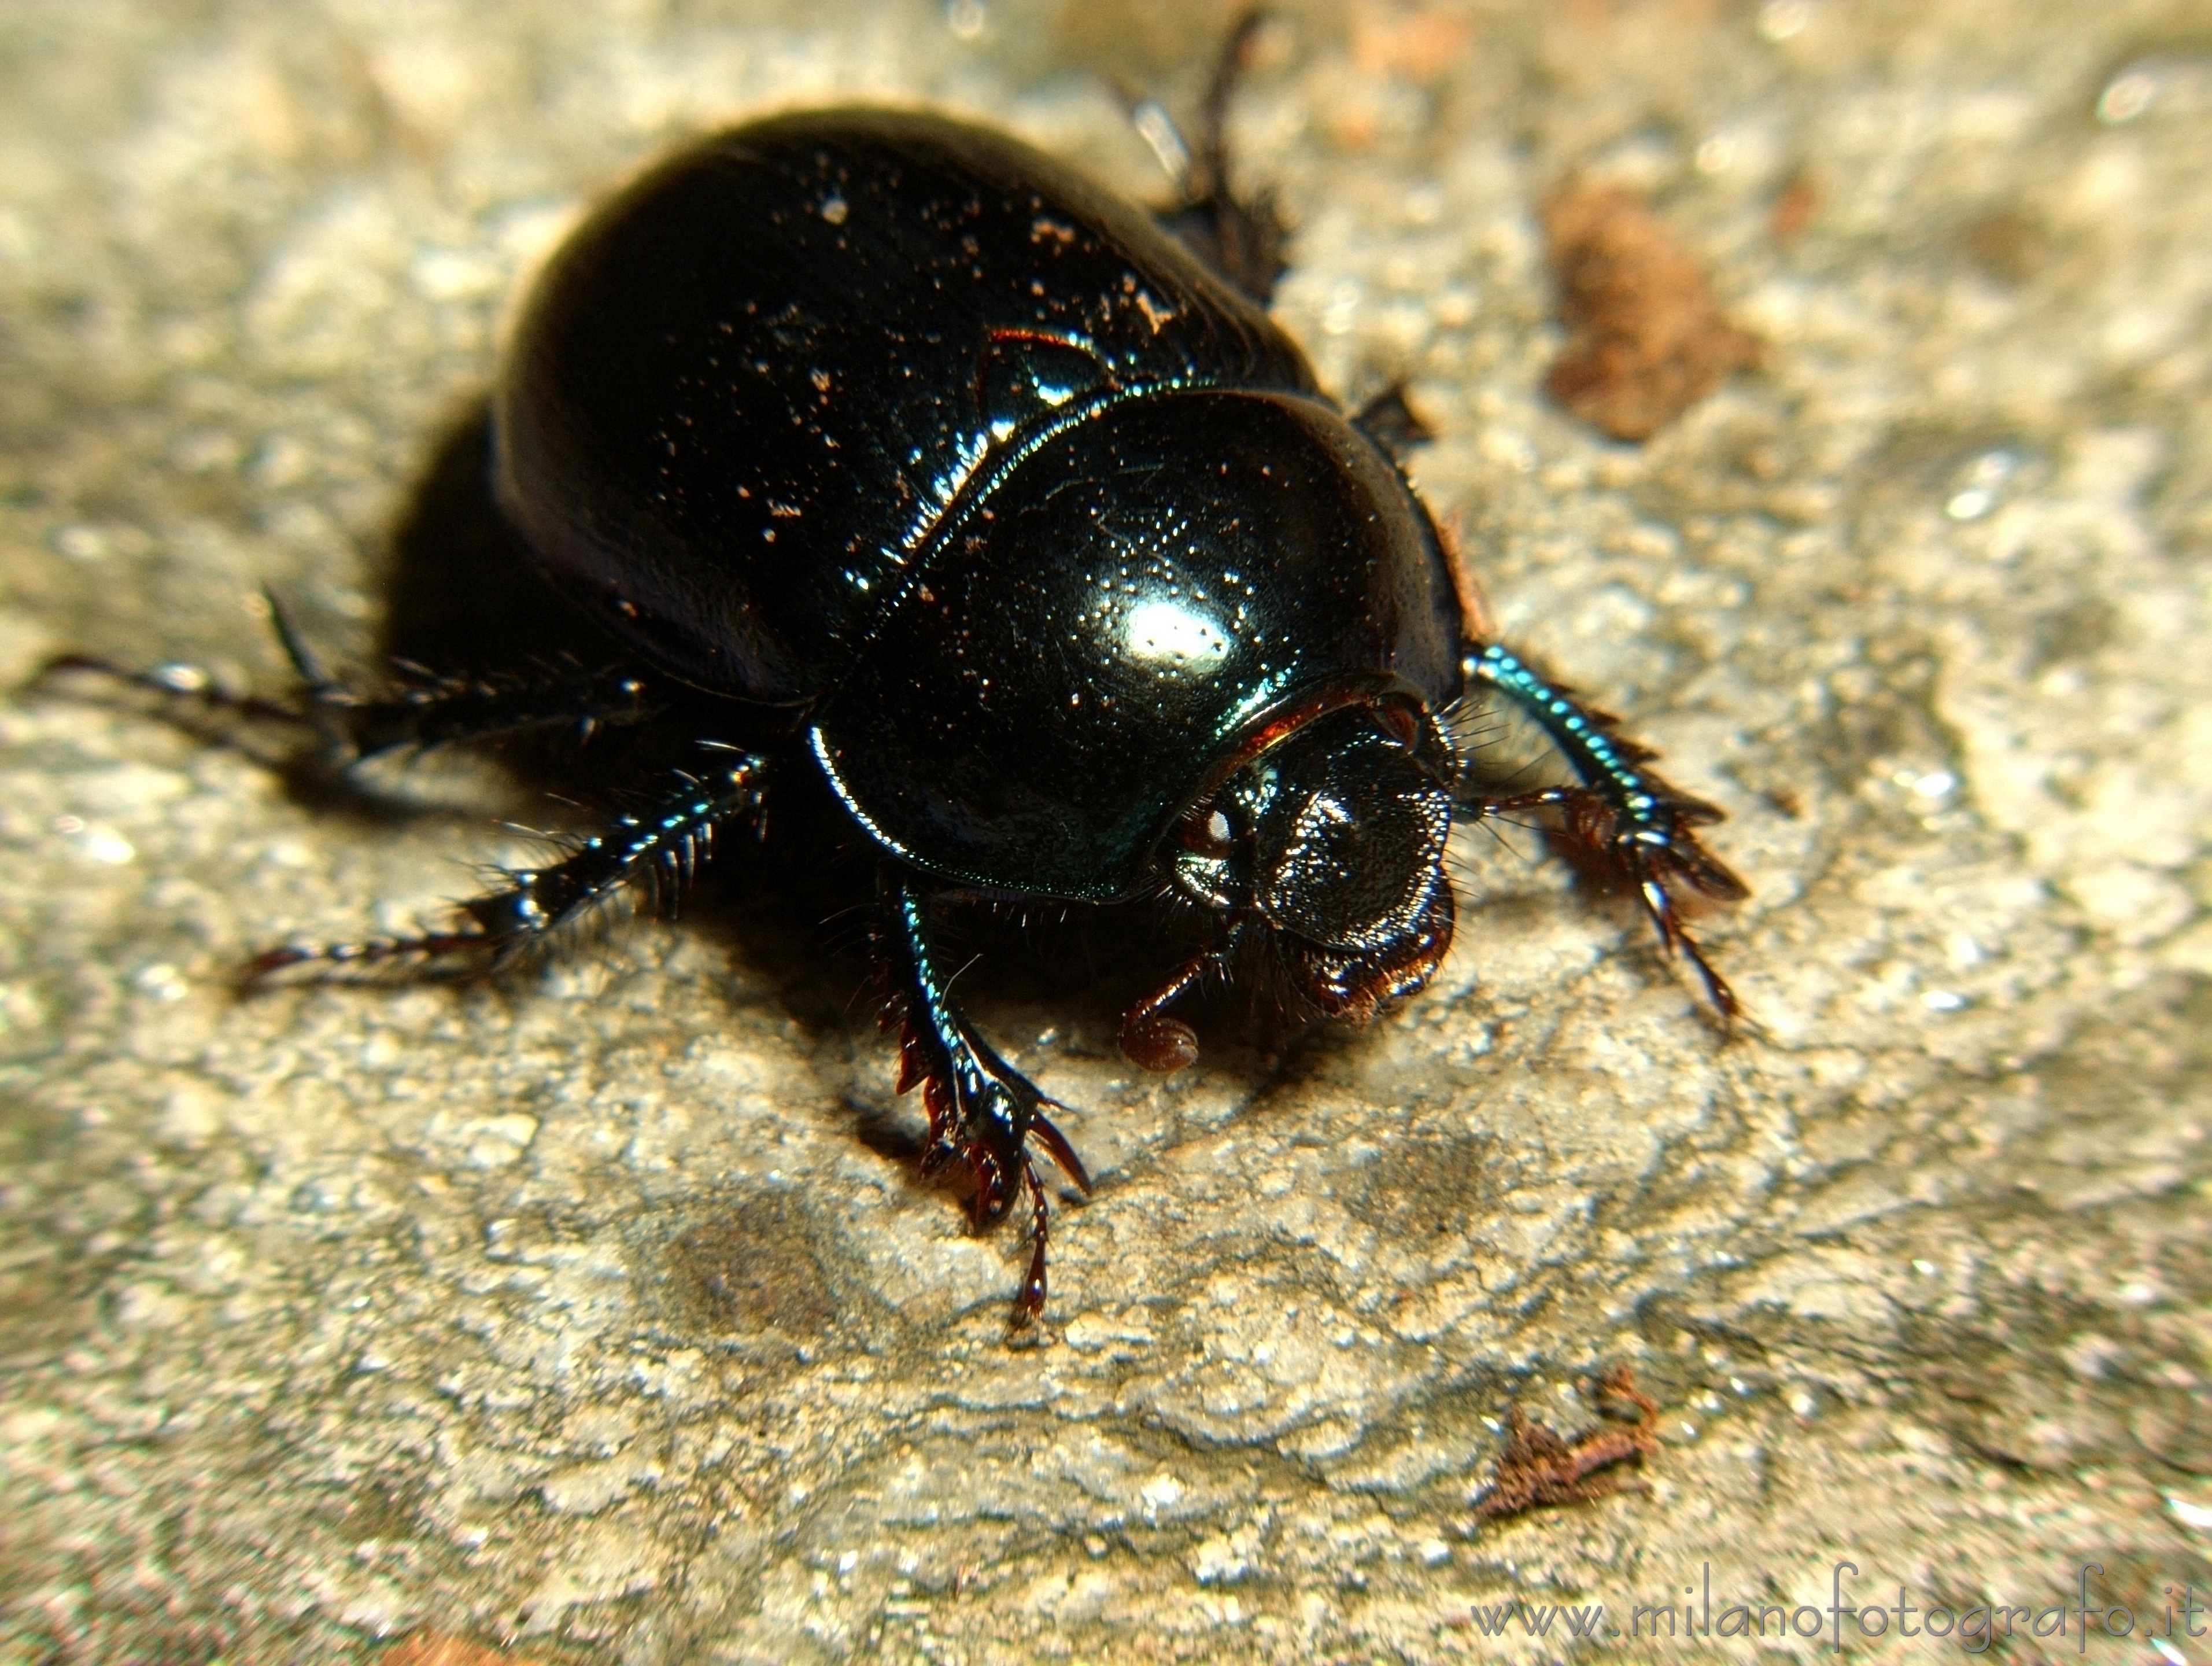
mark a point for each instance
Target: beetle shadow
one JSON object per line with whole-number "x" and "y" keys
{"x": 463, "y": 595}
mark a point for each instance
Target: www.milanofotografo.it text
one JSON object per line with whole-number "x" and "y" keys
{"x": 1848, "y": 1620}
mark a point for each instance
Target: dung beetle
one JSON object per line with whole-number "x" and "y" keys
{"x": 1011, "y": 508}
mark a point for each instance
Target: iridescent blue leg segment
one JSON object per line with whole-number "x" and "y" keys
{"x": 983, "y": 1111}
{"x": 1637, "y": 827}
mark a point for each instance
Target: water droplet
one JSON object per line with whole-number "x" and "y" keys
{"x": 2126, "y": 96}
{"x": 1782, "y": 20}
{"x": 109, "y": 847}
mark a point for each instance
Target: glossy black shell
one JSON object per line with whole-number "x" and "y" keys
{"x": 1033, "y": 519}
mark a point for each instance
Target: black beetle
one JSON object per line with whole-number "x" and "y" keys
{"x": 1045, "y": 548}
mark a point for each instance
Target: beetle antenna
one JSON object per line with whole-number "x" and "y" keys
{"x": 1210, "y": 167}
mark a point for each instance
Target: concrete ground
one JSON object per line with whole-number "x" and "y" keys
{"x": 594, "y": 1317}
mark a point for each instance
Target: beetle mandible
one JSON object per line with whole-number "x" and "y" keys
{"x": 1040, "y": 541}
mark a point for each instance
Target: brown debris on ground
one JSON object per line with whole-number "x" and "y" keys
{"x": 1797, "y": 205}
{"x": 1538, "y": 1468}
{"x": 1645, "y": 339}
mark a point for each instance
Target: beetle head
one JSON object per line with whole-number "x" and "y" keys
{"x": 1334, "y": 837}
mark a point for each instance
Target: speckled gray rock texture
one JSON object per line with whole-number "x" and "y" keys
{"x": 577, "y": 1316}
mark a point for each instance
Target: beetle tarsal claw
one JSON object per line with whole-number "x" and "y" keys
{"x": 1055, "y": 1144}
{"x": 1030, "y": 1302}
{"x": 983, "y": 1113}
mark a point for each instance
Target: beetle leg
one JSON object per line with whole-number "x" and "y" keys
{"x": 661, "y": 849}
{"x": 1240, "y": 238}
{"x": 983, "y": 1111}
{"x": 1639, "y": 831}
{"x": 1393, "y": 423}
{"x": 442, "y": 711}
{"x": 422, "y": 710}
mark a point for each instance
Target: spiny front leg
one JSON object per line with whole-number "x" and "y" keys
{"x": 1640, "y": 830}
{"x": 661, "y": 847}
{"x": 983, "y": 1111}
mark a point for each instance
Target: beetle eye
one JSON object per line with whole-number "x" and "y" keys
{"x": 1401, "y": 725}
{"x": 1209, "y": 834}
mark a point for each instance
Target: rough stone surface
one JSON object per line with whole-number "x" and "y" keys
{"x": 576, "y": 1317}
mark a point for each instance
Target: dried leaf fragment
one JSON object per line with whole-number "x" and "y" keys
{"x": 1538, "y": 1467}
{"x": 1645, "y": 339}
